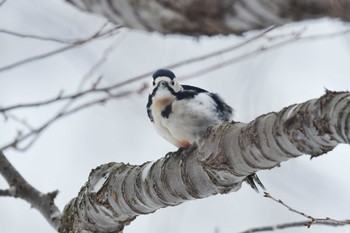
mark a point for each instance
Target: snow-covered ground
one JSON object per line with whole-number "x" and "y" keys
{"x": 120, "y": 130}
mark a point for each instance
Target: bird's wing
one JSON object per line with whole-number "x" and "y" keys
{"x": 224, "y": 110}
{"x": 189, "y": 92}
{"x": 192, "y": 88}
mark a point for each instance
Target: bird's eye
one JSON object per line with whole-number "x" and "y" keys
{"x": 154, "y": 83}
{"x": 172, "y": 82}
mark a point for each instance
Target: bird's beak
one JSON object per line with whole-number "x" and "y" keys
{"x": 162, "y": 83}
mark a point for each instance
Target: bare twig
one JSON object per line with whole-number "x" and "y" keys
{"x": 296, "y": 38}
{"x": 43, "y": 38}
{"x": 312, "y": 220}
{"x": 33, "y": 135}
{"x": 195, "y": 59}
{"x": 52, "y": 39}
{"x": 18, "y": 120}
{"x": 90, "y": 73}
{"x": 96, "y": 35}
{"x": 38, "y": 57}
{"x": 20, "y": 188}
{"x": 289, "y": 225}
{"x": 222, "y": 51}
{"x": 297, "y": 32}
{"x": 100, "y": 62}
{"x": 2, "y": 2}
{"x": 60, "y": 97}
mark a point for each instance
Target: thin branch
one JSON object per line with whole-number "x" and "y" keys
{"x": 71, "y": 97}
{"x": 195, "y": 59}
{"x": 96, "y": 35}
{"x": 38, "y": 57}
{"x": 34, "y": 134}
{"x": 89, "y": 74}
{"x": 2, "y": 2}
{"x": 312, "y": 220}
{"x": 298, "y": 32}
{"x": 20, "y": 188}
{"x": 52, "y": 39}
{"x": 289, "y": 225}
{"x": 296, "y": 38}
{"x": 43, "y": 38}
{"x": 59, "y": 97}
{"x": 223, "y": 51}
{"x": 18, "y": 120}
{"x": 106, "y": 53}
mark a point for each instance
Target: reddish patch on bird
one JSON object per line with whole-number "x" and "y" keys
{"x": 159, "y": 104}
{"x": 184, "y": 143}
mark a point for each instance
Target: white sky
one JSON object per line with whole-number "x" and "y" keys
{"x": 120, "y": 130}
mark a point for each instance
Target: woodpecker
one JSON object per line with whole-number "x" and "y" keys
{"x": 182, "y": 113}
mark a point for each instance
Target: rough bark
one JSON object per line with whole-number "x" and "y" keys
{"x": 210, "y": 17}
{"x": 116, "y": 193}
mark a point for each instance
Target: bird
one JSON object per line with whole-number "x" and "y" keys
{"x": 181, "y": 114}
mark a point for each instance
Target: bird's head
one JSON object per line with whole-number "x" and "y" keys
{"x": 164, "y": 80}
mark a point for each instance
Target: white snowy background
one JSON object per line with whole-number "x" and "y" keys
{"x": 120, "y": 130}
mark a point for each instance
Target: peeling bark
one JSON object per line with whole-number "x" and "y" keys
{"x": 117, "y": 193}
{"x": 209, "y": 17}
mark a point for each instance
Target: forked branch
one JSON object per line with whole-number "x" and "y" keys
{"x": 20, "y": 188}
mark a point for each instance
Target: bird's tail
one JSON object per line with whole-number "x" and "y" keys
{"x": 252, "y": 179}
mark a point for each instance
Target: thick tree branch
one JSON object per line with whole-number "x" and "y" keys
{"x": 117, "y": 193}
{"x": 205, "y": 17}
{"x": 20, "y": 188}
{"x": 8, "y": 192}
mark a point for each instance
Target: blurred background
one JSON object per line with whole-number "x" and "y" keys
{"x": 271, "y": 77}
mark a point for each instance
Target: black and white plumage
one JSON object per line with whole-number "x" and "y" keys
{"x": 182, "y": 113}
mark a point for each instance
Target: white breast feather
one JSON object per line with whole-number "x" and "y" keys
{"x": 190, "y": 118}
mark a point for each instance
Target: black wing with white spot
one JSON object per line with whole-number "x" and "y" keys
{"x": 189, "y": 92}
{"x": 224, "y": 110}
